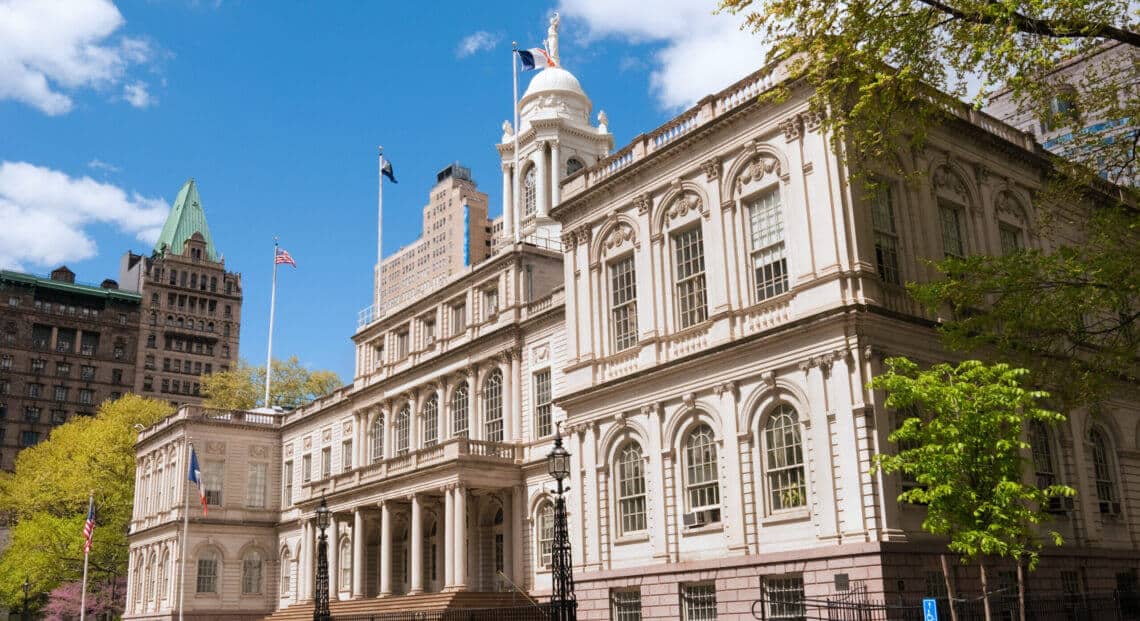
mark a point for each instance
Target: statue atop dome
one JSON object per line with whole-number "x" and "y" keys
{"x": 552, "y": 39}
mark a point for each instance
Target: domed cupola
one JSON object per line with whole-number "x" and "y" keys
{"x": 554, "y": 139}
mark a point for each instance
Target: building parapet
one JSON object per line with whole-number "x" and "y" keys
{"x": 198, "y": 413}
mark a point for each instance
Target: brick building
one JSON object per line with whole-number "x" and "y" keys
{"x": 65, "y": 348}
{"x": 191, "y": 305}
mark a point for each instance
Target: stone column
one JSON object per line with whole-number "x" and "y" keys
{"x": 460, "y": 538}
{"x": 555, "y": 175}
{"x": 541, "y": 206}
{"x": 443, "y": 412}
{"x": 385, "y": 548}
{"x": 516, "y": 384}
{"x": 416, "y": 564}
{"x": 357, "y": 553}
{"x": 448, "y": 539}
{"x": 509, "y": 404}
{"x": 509, "y": 533}
{"x": 508, "y": 203}
{"x": 305, "y": 563}
{"x": 334, "y": 559}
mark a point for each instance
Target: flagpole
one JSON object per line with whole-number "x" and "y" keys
{"x": 272, "y": 304}
{"x": 86, "y": 555}
{"x": 185, "y": 533}
{"x": 379, "y": 229}
{"x": 516, "y": 184}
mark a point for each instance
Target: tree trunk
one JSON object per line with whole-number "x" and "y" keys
{"x": 1020, "y": 590}
{"x": 985, "y": 592}
{"x": 949, "y": 588}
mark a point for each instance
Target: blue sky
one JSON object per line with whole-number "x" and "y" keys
{"x": 276, "y": 108}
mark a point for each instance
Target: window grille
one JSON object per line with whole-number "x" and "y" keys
{"x": 689, "y": 259}
{"x": 769, "y": 260}
{"x": 698, "y": 602}
{"x": 784, "y": 597}
{"x": 625, "y": 605}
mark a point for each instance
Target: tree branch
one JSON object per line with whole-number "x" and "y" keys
{"x": 1042, "y": 27}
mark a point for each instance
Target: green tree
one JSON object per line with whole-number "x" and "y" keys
{"x": 46, "y": 497}
{"x": 966, "y": 449}
{"x": 243, "y": 388}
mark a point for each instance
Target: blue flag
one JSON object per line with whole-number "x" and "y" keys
{"x": 196, "y": 479}
{"x": 386, "y": 169}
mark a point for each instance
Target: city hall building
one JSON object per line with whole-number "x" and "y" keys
{"x": 699, "y": 313}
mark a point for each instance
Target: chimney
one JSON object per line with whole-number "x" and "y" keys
{"x": 62, "y": 274}
{"x": 108, "y": 284}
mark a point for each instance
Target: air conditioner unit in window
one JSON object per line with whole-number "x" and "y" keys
{"x": 696, "y": 519}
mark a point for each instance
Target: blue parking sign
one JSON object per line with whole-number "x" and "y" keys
{"x": 929, "y": 609}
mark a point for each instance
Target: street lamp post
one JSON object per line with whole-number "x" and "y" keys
{"x": 321, "y": 608}
{"x": 563, "y": 606}
{"x": 24, "y": 611}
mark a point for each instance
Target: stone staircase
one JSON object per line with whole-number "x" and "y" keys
{"x": 403, "y": 604}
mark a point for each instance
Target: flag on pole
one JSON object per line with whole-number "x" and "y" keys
{"x": 536, "y": 58}
{"x": 282, "y": 257}
{"x": 88, "y": 528}
{"x": 386, "y": 168}
{"x": 196, "y": 479}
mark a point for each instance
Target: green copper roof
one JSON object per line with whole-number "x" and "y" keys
{"x": 185, "y": 219}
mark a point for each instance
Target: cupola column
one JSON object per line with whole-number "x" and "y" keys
{"x": 542, "y": 203}
{"x": 508, "y": 204}
{"x": 555, "y": 175}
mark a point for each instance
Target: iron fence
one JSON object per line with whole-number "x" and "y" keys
{"x": 531, "y": 612}
{"x": 1114, "y": 606}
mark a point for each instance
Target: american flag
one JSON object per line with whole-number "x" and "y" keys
{"x": 283, "y": 257}
{"x": 89, "y": 528}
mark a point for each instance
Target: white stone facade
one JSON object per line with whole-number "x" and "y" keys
{"x": 723, "y": 296}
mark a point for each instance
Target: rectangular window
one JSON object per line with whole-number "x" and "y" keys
{"x": 490, "y": 303}
{"x": 61, "y": 393}
{"x": 207, "y": 572}
{"x": 401, "y": 345}
{"x": 698, "y": 602}
{"x": 62, "y": 369}
{"x": 287, "y": 485}
{"x": 346, "y": 455}
{"x": 769, "y": 260}
{"x": 950, "y": 219}
{"x": 623, "y": 306}
{"x": 31, "y": 414}
{"x": 1010, "y": 237}
{"x": 689, "y": 263}
{"x": 86, "y": 396}
{"x": 784, "y": 597}
{"x": 256, "y": 492}
{"x": 326, "y": 462}
{"x": 458, "y": 318}
{"x": 29, "y": 438}
{"x": 87, "y": 373}
{"x": 214, "y": 476}
{"x": 886, "y": 237}
{"x": 543, "y": 422}
{"x": 625, "y": 605}
{"x": 429, "y": 332}
{"x": 306, "y": 468}
{"x": 34, "y": 390}
{"x": 38, "y": 364}
{"x": 5, "y": 362}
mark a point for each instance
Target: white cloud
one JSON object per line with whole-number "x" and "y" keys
{"x": 702, "y": 52}
{"x": 99, "y": 164}
{"x": 50, "y": 49}
{"x": 136, "y": 94}
{"x": 46, "y": 213}
{"x": 476, "y": 42}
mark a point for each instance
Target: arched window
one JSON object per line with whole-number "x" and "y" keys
{"x": 529, "y": 192}
{"x": 251, "y": 573}
{"x": 285, "y": 572}
{"x": 631, "y": 489}
{"x": 459, "y": 411}
{"x": 1103, "y": 470}
{"x": 784, "y": 459}
{"x": 493, "y": 407}
{"x": 769, "y": 261}
{"x": 544, "y": 534}
{"x": 140, "y": 571}
{"x": 701, "y": 481}
{"x": 345, "y": 560}
{"x": 207, "y": 581}
{"x": 431, "y": 420}
{"x": 402, "y": 429}
{"x": 151, "y": 576}
{"x": 378, "y": 438}
{"x": 1044, "y": 466}
{"x": 573, "y": 165}
{"x": 164, "y": 576}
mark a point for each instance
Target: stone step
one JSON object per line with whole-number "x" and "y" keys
{"x": 426, "y": 602}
